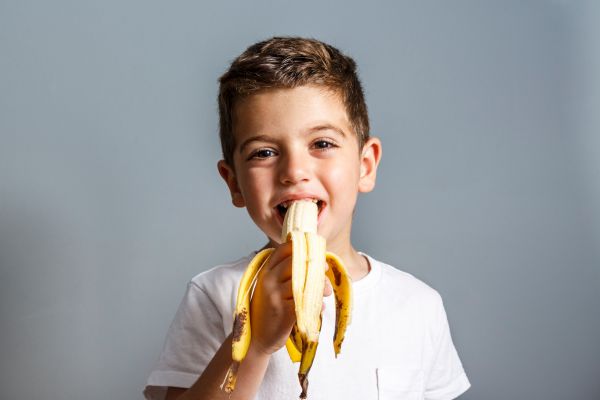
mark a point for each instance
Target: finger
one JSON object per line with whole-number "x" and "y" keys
{"x": 286, "y": 290}
{"x": 281, "y": 252}
{"x": 284, "y": 270}
{"x": 277, "y": 280}
{"x": 281, "y": 272}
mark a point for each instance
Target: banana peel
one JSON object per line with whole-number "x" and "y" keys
{"x": 311, "y": 264}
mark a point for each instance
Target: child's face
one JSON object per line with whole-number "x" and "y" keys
{"x": 295, "y": 144}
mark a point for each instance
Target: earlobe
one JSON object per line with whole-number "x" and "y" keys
{"x": 228, "y": 174}
{"x": 369, "y": 160}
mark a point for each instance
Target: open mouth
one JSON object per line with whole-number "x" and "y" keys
{"x": 283, "y": 207}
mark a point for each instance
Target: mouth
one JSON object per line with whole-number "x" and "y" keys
{"x": 283, "y": 206}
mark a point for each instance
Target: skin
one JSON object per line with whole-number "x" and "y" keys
{"x": 290, "y": 144}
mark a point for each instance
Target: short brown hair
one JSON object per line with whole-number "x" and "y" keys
{"x": 288, "y": 62}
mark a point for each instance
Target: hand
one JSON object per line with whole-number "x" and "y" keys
{"x": 272, "y": 309}
{"x": 272, "y": 305}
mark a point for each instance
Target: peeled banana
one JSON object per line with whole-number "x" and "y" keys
{"x": 311, "y": 264}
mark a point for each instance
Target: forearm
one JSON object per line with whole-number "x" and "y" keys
{"x": 250, "y": 376}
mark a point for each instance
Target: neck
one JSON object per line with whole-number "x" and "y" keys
{"x": 356, "y": 264}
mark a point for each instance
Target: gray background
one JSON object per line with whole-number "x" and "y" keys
{"x": 489, "y": 189}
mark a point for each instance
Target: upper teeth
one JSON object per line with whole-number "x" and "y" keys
{"x": 286, "y": 204}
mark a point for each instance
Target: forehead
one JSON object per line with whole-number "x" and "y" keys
{"x": 289, "y": 110}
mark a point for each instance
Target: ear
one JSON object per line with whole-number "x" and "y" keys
{"x": 369, "y": 160}
{"x": 228, "y": 174}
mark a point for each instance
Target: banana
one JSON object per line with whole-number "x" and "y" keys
{"x": 241, "y": 321}
{"x": 294, "y": 344}
{"x": 311, "y": 264}
{"x": 342, "y": 290}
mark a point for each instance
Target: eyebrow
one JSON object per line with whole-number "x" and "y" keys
{"x": 325, "y": 127}
{"x": 257, "y": 138}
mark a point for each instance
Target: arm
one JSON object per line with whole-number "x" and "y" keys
{"x": 250, "y": 376}
{"x": 272, "y": 315}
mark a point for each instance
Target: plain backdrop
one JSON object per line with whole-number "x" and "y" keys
{"x": 110, "y": 201}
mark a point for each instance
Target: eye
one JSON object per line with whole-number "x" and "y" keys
{"x": 323, "y": 144}
{"x": 262, "y": 153}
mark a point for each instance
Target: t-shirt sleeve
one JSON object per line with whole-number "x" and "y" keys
{"x": 193, "y": 338}
{"x": 446, "y": 379}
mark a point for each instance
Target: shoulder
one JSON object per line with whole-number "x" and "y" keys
{"x": 401, "y": 286}
{"x": 219, "y": 274}
{"x": 220, "y": 282}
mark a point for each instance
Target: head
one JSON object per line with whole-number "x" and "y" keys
{"x": 294, "y": 126}
{"x": 289, "y": 62}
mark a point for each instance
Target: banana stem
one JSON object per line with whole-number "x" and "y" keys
{"x": 303, "y": 378}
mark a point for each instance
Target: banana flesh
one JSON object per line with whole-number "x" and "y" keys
{"x": 311, "y": 264}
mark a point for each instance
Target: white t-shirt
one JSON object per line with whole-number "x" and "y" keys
{"x": 398, "y": 345}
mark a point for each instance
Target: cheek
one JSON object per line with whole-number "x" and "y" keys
{"x": 250, "y": 180}
{"x": 254, "y": 186}
{"x": 342, "y": 175}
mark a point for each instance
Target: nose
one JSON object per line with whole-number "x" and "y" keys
{"x": 294, "y": 168}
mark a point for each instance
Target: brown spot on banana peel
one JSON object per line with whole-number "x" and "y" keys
{"x": 303, "y": 377}
{"x": 308, "y": 356}
{"x": 337, "y": 275}
{"x": 230, "y": 378}
{"x": 241, "y": 322}
{"x": 297, "y": 338}
{"x": 238, "y": 325}
{"x": 338, "y": 312}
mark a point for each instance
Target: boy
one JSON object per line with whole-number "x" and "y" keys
{"x": 294, "y": 125}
